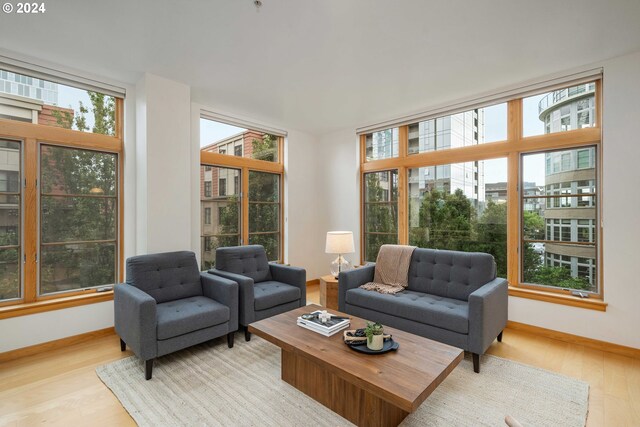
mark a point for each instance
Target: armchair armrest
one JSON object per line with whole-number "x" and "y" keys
{"x": 246, "y": 312}
{"x": 488, "y": 314}
{"x": 294, "y": 276}
{"x": 352, "y": 279}
{"x": 224, "y": 291}
{"x": 135, "y": 319}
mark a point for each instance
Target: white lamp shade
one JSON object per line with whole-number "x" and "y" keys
{"x": 340, "y": 242}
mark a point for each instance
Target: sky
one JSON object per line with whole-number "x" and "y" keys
{"x": 211, "y": 131}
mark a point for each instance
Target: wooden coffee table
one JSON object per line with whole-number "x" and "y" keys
{"x": 368, "y": 390}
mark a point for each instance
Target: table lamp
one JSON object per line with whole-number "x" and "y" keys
{"x": 339, "y": 242}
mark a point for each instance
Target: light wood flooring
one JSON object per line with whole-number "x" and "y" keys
{"x": 60, "y": 387}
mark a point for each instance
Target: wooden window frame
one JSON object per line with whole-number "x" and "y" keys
{"x": 246, "y": 165}
{"x": 30, "y": 137}
{"x": 512, "y": 149}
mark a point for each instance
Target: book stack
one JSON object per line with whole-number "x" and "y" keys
{"x": 332, "y": 326}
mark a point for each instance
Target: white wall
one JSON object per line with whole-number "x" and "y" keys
{"x": 621, "y": 176}
{"x": 164, "y": 161}
{"x": 304, "y": 219}
{"x": 340, "y": 187}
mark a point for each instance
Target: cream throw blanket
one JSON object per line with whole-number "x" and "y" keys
{"x": 392, "y": 269}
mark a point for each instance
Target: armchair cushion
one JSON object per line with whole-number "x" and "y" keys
{"x": 187, "y": 315}
{"x": 165, "y": 276}
{"x": 250, "y": 261}
{"x": 270, "y": 294}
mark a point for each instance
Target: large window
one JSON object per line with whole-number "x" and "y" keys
{"x": 449, "y": 208}
{"x": 264, "y": 212}
{"x": 380, "y": 211}
{"x": 559, "y": 238}
{"x": 78, "y": 219}
{"x": 221, "y": 213}
{"x": 517, "y": 180}
{"x": 241, "y": 193}
{"x": 10, "y": 214}
{"x": 60, "y": 190}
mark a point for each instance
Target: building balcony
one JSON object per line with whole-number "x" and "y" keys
{"x": 560, "y": 97}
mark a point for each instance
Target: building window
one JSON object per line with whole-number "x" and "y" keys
{"x": 380, "y": 211}
{"x": 60, "y": 192}
{"x": 264, "y": 212}
{"x": 207, "y": 188}
{"x": 225, "y": 229}
{"x": 78, "y": 217}
{"x": 10, "y": 217}
{"x": 432, "y": 201}
{"x": 249, "y": 182}
{"x": 222, "y": 186}
{"x": 570, "y": 217}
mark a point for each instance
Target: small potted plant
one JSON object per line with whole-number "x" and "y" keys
{"x": 375, "y": 339}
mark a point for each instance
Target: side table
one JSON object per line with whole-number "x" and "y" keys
{"x": 329, "y": 292}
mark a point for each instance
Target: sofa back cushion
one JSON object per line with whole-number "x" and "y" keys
{"x": 450, "y": 274}
{"x": 167, "y": 276}
{"x": 250, "y": 261}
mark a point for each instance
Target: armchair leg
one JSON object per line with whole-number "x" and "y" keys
{"x": 148, "y": 369}
{"x": 230, "y": 336}
{"x": 500, "y": 336}
{"x": 123, "y": 345}
{"x": 476, "y": 362}
{"x": 247, "y": 334}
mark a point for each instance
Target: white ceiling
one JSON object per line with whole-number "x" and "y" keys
{"x": 325, "y": 65}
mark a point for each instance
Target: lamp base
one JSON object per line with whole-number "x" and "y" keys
{"x": 338, "y": 265}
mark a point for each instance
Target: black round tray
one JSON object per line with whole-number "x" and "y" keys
{"x": 389, "y": 345}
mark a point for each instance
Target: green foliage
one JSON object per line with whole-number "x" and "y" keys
{"x": 446, "y": 221}
{"x": 104, "y": 114}
{"x": 373, "y": 329}
{"x": 266, "y": 148}
{"x": 559, "y": 277}
{"x": 380, "y": 217}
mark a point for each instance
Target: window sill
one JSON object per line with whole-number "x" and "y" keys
{"x": 552, "y": 297}
{"x": 25, "y": 309}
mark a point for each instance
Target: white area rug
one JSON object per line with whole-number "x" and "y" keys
{"x": 212, "y": 385}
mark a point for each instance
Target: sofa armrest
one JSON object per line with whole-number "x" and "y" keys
{"x": 246, "y": 312}
{"x": 488, "y": 314}
{"x": 294, "y": 276}
{"x": 225, "y": 292}
{"x": 352, "y": 279}
{"x": 135, "y": 319}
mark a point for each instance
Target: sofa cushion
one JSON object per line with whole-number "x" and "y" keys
{"x": 270, "y": 294}
{"x": 250, "y": 261}
{"x": 441, "y": 312}
{"x": 450, "y": 274}
{"x": 165, "y": 276}
{"x": 188, "y": 315}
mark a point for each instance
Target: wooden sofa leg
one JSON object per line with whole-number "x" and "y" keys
{"x": 247, "y": 334}
{"x": 476, "y": 362}
{"x": 123, "y": 345}
{"x": 148, "y": 369}
{"x": 230, "y": 336}
{"x": 500, "y": 336}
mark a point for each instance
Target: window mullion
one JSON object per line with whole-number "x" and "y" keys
{"x": 30, "y": 228}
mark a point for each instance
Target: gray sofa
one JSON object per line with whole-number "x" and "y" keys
{"x": 167, "y": 305}
{"x": 265, "y": 289}
{"x": 452, "y": 297}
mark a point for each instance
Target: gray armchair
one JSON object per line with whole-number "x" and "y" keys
{"x": 265, "y": 289}
{"x": 167, "y": 305}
